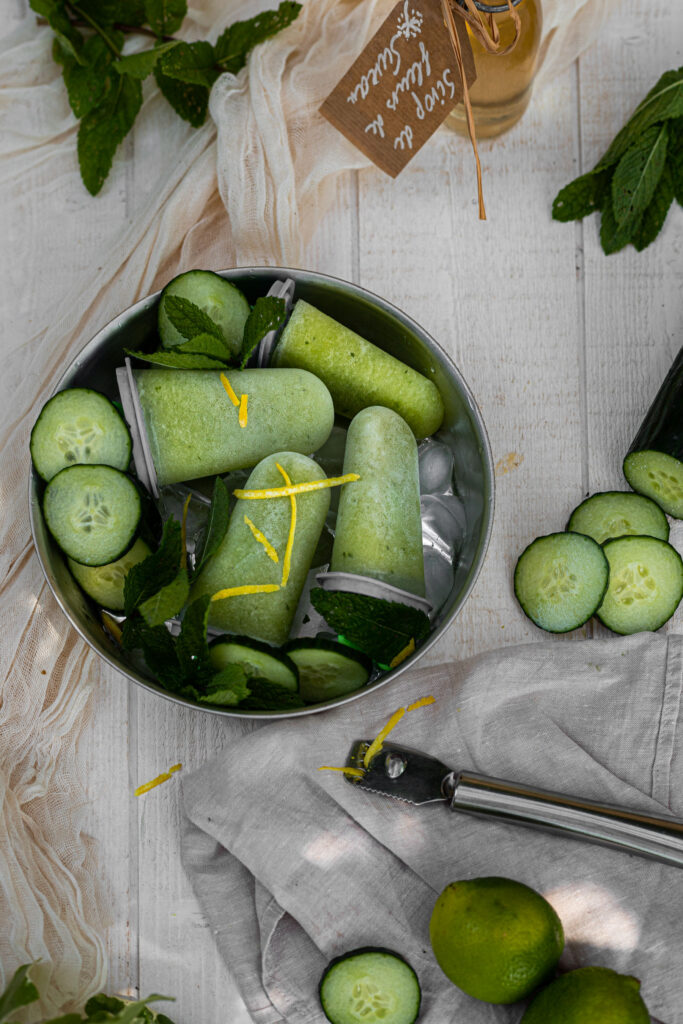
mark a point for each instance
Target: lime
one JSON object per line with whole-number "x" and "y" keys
{"x": 589, "y": 995}
{"x": 495, "y": 938}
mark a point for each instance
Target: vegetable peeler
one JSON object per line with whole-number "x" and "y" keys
{"x": 417, "y": 778}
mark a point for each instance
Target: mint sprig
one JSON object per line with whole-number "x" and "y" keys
{"x": 640, "y": 175}
{"x": 20, "y": 991}
{"x": 104, "y": 85}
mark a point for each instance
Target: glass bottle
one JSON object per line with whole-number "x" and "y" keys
{"x": 502, "y": 90}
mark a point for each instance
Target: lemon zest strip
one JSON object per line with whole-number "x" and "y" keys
{"x": 379, "y": 739}
{"x": 183, "y": 533}
{"x": 402, "y": 655}
{"x": 262, "y": 539}
{"x": 228, "y": 387}
{"x": 304, "y": 488}
{"x": 421, "y": 703}
{"x": 243, "y": 410}
{"x": 356, "y": 773}
{"x": 287, "y": 560}
{"x": 164, "y": 777}
{"x": 249, "y": 588}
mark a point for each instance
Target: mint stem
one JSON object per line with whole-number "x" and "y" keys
{"x": 97, "y": 28}
{"x": 128, "y": 30}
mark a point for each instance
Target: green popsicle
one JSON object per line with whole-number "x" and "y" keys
{"x": 243, "y": 559}
{"x": 193, "y": 423}
{"x": 379, "y": 531}
{"x": 357, "y": 372}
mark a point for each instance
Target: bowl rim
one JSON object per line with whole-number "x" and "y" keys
{"x": 487, "y": 509}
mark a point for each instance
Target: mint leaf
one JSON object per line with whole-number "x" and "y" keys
{"x": 205, "y": 344}
{"x": 190, "y": 102}
{"x": 675, "y": 157}
{"x": 664, "y": 100}
{"x": 57, "y": 18}
{"x": 228, "y": 687}
{"x": 613, "y": 236}
{"x": 167, "y": 601}
{"x": 233, "y": 46}
{"x": 188, "y": 319}
{"x": 104, "y": 128}
{"x": 158, "y": 570}
{"x": 67, "y": 1018}
{"x": 654, "y": 216}
{"x": 191, "y": 645}
{"x": 216, "y": 526}
{"x": 582, "y": 196}
{"x": 109, "y": 1004}
{"x": 106, "y": 12}
{"x": 177, "y": 360}
{"x": 165, "y": 16}
{"x": 267, "y": 696}
{"x": 87, "y": 82}
{"x": 140, "y": 65}
{"x": 267, "y": 315}
{"x": 138, "y": 1010}
{"x": 192, "y": 63}
{"x": 19, "y": 992}
{"x": 158, "y": 649}
{"x": 380, "y": 628}
{"x": 638, "y": 173}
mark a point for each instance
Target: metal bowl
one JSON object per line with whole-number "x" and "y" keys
{"x": 375, "y": 319}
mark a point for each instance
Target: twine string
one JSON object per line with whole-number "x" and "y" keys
{"x": 486, "y": 31}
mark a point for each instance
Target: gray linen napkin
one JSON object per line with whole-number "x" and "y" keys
{"x": 292, "y": 866}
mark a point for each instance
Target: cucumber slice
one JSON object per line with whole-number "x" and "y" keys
{"x": 645, "y": 584}
{"x": 372, "y": 986}
{"x": 104, "y": 583}
{"x": 79, "y": 426}
{"x": 93, "y": 513}
{"x": 327, "y": 669}
{"x": 259, "y": 660}
{"x": 657, "y": 476}
{"x": 560, "y": 580}
{"x": 618, "y": 514}
{"x": 221, "y": 300}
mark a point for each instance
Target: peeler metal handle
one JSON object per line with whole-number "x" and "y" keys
{"x": 649, "y": 836}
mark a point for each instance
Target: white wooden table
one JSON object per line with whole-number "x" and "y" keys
{"x": 563, "y": 348}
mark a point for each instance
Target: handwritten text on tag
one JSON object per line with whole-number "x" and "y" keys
{"x": 405, "y": 82}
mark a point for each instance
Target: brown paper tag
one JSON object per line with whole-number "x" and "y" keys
{"x": 403, "y": 85}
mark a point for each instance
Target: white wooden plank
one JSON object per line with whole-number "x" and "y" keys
{"x": 500, "y": 297}
{"x": 105, "y": 747}
{"x": 633, "y": 301}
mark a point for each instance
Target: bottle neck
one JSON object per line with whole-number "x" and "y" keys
{"x": 494, "y": 7}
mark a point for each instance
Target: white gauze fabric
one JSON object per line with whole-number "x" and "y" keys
{"x": 274, "y": 162}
